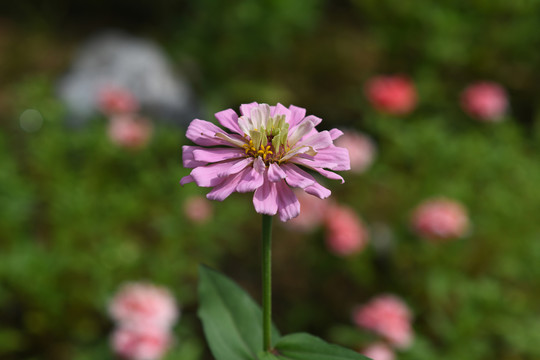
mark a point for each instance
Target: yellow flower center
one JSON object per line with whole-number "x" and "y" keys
{"x": 270, "y": 142}
{"x": 265, "y": 152}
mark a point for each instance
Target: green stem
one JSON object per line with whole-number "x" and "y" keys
{"x": 267, "y": 281}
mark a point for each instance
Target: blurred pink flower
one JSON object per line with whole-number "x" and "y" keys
{"x": 345, "y": 232}
{"x": 394, "y": 95}
{"x": 389, "y": 317}
{"x": 141, "y": 306}
{"x": 485, "y": 101}
{"x": 148, "y": 343}
{"x": 378, "y": 351}
{"x": 440, "y": 219}
{"x": 198, "y": 209}
{"x": 129, "y": 131}
{"x": 115, "y": 101}
{"x": 265, "y": 154}
{"x": 361, "y": 150}
{"x": 312, "y": 212}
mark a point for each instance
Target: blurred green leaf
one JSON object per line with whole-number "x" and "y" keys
{"x": 232, "y": 321}
{"x": 308, "y": 347}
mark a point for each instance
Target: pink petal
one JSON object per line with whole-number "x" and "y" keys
{"x": 217, "y": 154}
{"x": 317, "y": 141}
{"x": 213, "y": 174}
{"x": 299, "y": 132}
{"x": 298, "y": 150}
{"x": 186, "y": 180}
{"x": 187, "y": 157}
{"x": 280, "y": 110}
{"x": 251, "y": 180}
{"x": 231, "y": 139}
{"x": 335, "y": 133}
{"x": 245, "y": 124}
{"x": 310, "y": 118}
{"x": 297, "y": 177}
{"x": 236, "y": 167}
{"x": 297, "y": 115}
{"x": 288, "y": 204}
{"x": 225, "y": 188}
{"x": 314, "y": 119}
{"x": 259, "y": 115}
{"x": 313, "y": 162}
{"x": 275, "y": 173}
{"x": 318, "y": 190}
{"x": 313, "y": 131}
{"x": 259, "y": 165}
{"x": 265, "y": 198}
{"x": 337, "y": 158}
{"x": 229, "y": 119}
{"x": 203, "y": 132}
{"x": 245, "y": 109}
{"x": 329, "y": 174}
{"x": 308, "y": 161}
{"x": 317, "y": 166}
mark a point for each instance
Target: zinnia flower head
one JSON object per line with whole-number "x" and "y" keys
{"x": 393, "y": 95}
{"x": 116, "y": 100}
{"x": 129, "y": 131}
{"x": 265, "y": 153}
{"x": 361, "y": 150}
{"x": 388, "y": 316}
{"x": 140, "y": 305}
{"x": 198, "y": 209}
{"x": 485, "y": 101}
{"x": 346, "y": 234}
{"x": 379, "y": 351}
{"x": 148, "y": 343}
{"x": 440, "y": 219}
{"x": 313, "y": 212}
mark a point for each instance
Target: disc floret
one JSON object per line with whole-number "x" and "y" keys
{"x": 266, "y": 136}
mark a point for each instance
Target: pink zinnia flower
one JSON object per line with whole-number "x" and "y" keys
{"x": 313, "y": 212}
{"x": 115, "y": 100}
{"x": 361, "y": 150}
{"x": 394, "y": 95}
{"x": 345, "y": 232}
{"x": 148, "y": 343}
{"x": 486, "y": 101}
{"x": 264, "y": 155}
{"x": 378, "y": 351}
{"x": 141, "y": 305}
{"x": 129, "y": 131}
{"x": 389, "y": 317}
{"x": 198, "y": 209}
{"x": 440, "y": 219}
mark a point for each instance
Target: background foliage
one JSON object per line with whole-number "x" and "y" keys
{"x": 79, "y": 216}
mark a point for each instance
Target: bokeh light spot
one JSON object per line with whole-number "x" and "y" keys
{"x": 31, "y": 120}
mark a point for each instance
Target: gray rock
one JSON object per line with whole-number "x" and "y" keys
{"x": 138, "y": 65}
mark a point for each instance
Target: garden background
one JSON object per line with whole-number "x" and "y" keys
{"x": 80, "y": 215}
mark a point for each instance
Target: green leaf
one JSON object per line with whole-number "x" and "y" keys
{"x": 232, "y": 321}
{"x": 268, "y": 356}
{"x": 308, "y": 347}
